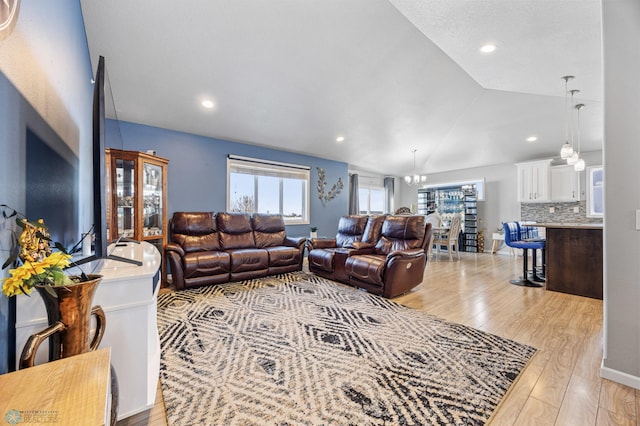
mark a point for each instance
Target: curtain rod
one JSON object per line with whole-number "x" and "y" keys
{"x": 271, "y": 163}
{"x": 366, "y": 174}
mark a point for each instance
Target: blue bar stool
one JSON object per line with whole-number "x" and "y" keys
{"x": 530, "y": 234}
{"x": 513, "y": 238}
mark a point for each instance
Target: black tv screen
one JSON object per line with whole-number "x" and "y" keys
{"x": 99, "y": 191}
{"x": 99, "y": 170}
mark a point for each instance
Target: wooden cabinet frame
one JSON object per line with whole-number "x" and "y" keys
{"x": 138, "y": 160}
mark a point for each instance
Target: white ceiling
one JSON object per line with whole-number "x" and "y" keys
{"x": 388, "y": 75}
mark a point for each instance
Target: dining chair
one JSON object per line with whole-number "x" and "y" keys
{"x": 436, "y": 222}
{"x": 450, "y": 238}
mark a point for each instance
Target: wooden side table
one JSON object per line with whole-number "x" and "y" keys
{"x": 70, "y": 391}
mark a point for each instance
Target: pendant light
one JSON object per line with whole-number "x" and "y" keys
{"x": 579, "y": 165}
{"x": 415, "y": 179}
{"x": 567, "y": 149}
{"x": 573, "y": 159}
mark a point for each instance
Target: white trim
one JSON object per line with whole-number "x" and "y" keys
{"x": 619, "y": 377}
{"x": 273, "y": 163}
{"x": 589, "y": 190}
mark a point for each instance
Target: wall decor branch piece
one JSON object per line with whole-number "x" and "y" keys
{"x": 322, "y": 184}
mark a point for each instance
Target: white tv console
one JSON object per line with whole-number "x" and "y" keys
{"x": 128, "y": 295}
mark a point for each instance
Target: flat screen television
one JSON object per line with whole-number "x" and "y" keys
{"x": 99, "y": 170}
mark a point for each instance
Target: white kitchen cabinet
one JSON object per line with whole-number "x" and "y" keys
{"x": 533, "y": 181}
{"x": 565, "y": 184}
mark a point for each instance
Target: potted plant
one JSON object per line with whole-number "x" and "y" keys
{"x": 314, "y": 232}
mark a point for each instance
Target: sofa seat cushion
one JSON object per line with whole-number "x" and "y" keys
{"x": 366, "y": 267}
{"x": 204, "y": 263}
{"x": 283, "y": 256}
{"x": 243, "y": 260}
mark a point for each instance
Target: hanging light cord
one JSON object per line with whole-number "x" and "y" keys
{"x": 573, "y": 92}
{"x": 579, "y": 107}
{"x": 566, "y": 109}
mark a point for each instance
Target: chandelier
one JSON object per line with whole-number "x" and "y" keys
{"x": 414, "y": 179}
{"x": 568, "y": 151}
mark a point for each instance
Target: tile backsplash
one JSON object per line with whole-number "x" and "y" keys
{"x": 564, "y": 212}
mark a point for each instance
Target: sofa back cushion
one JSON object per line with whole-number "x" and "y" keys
{"x": 350, "y": 229}
{"x": 401, "y": 233}
{"x": 268, "y": 230}
{"x": 373, "y": 229}
{"x": 235, "y": 230}
{"x": 194, "y": 231}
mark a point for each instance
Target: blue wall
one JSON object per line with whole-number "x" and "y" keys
{"x": 198, "y": 172}
{"x": 45, "y": 86}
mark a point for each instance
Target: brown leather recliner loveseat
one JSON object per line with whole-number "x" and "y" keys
{"x": 388, "y": 260}
{"x": 208, "y": 248}
{"x": 327, "y": 256}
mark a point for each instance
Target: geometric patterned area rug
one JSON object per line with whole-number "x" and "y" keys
{"x": 297, "y": 349}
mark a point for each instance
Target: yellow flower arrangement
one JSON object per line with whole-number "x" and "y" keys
{"x": 39, "y": 265}
{"x": 48, "y": 271}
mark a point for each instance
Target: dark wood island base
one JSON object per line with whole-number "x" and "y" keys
{"x": 574, "y": 258}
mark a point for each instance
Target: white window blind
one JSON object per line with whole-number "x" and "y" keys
{"x": 262, "y": 186}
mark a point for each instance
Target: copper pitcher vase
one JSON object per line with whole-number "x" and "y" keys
{"x": 69, "y": 316}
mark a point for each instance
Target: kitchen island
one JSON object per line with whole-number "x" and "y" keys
{"x": 574, "y": 258}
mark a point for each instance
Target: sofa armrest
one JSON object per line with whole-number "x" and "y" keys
{"x": 408, "y": 254}
{"x": 174, "y": 255}
{"x": 297, "y": 242}
{"x": 321, "y": 243}
{"x": 173, "y": 247}
{"x": 404, "y": 271}
{"x": 361, "y": 245}
{"x": 361, "y": 251}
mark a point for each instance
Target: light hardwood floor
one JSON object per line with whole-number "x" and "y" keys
{"x": 561, "y": 385}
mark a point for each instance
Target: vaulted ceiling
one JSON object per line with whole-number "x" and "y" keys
{"x": 389, "y": 76}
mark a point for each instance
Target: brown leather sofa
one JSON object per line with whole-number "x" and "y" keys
{"x": 397, "y": 262}
{"x": 384, "y": 255}
{"x": 328, "y": 255}
{"x": 212, "y": 249}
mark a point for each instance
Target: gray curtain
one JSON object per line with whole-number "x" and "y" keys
{"x": 354, "y": 205}
{"x": 389, "y": 192}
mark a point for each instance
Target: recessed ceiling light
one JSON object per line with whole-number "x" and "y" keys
{"x": 532, "y": 138}
{"x": 207, "y": 103}
{"x": 340, "y": 139}
{"x": 488, "y": 48}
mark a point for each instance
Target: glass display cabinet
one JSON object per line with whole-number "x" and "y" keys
{"x": 136, "y": 196}
{"x": 449, "y": 201}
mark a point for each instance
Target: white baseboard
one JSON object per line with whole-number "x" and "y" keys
{"x": 619, "y": 377}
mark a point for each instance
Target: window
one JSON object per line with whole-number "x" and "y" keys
{"x": 371, "y": 200}
{"x": 595, "y": 191}
{"x": 259, "y": 186}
